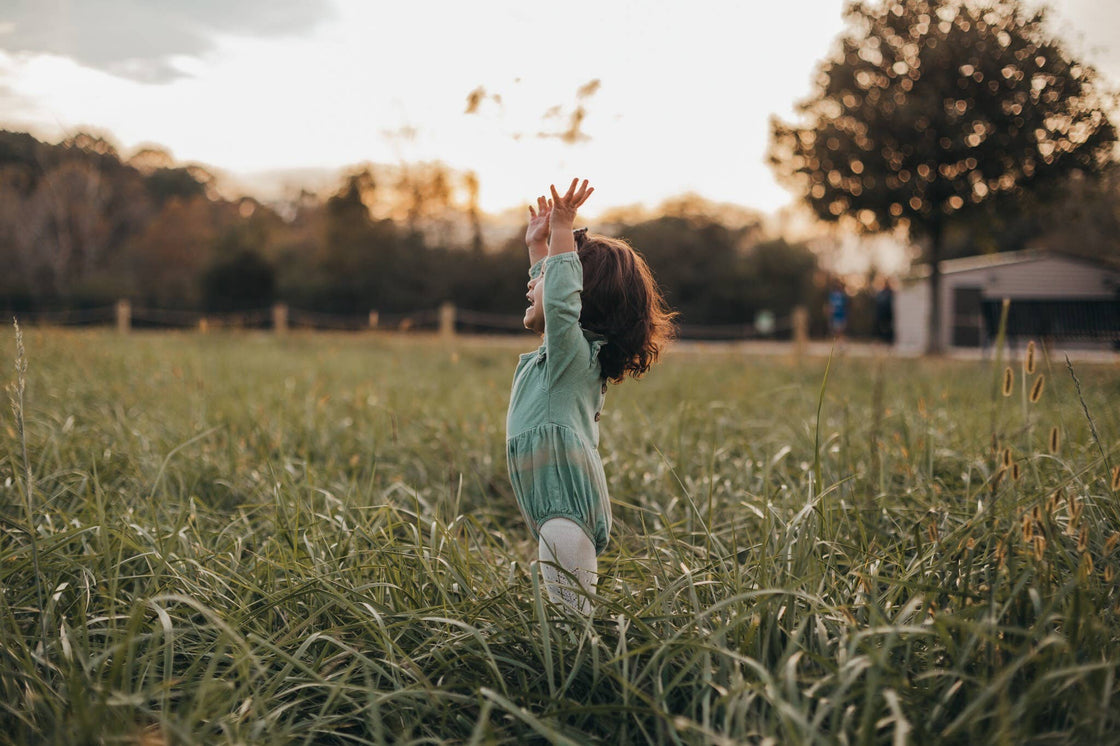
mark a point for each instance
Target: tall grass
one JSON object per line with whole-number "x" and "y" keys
{"x": 246, "y": 539}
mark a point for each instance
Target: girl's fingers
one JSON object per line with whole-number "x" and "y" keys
{"x": 581, "y": 196}
{"x": 574, "y": 197}
{"x": 544, "y": 206}
{"x": 571, "y": 189}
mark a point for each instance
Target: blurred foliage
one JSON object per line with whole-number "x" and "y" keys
{"x": 79, "y": 226}
{"x": 935, "y": 108}
{"x": 716, "y": 275}
{"x": 243, "y": 282}
{"x": 937, "y": 116}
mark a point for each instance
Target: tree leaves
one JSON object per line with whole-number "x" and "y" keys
{"x": 932, "y": 109}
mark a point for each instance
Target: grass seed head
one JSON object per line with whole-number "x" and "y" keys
{"x": 21, "y": 353}
{"x": 1007, "y": 457}
{"x": 1109, "y": 574}
{"x": 1036, "y": 388}
{"x": 151, "y": 736}
{"x": 1116, "y": 479}
{"x": 1030, "y": 357}
{"x": 1074, "y": 518}
{"x": 1039, "y": 547}
{"x": 1008, "y": 381}
{"x": 1015, "y": 472}
{"x": 1028, "y": 528}
{"x": 1111, "y": 542}
{"x": 1055, "y": 439}
{"x": 1086, "y": 568}
{"x": 1083, "y": 539}
{"x": 16, "y": 389}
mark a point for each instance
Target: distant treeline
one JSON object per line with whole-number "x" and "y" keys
{"x": 80, "y": 226}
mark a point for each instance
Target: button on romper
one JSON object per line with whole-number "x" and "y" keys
{"x": 552, "y": 430}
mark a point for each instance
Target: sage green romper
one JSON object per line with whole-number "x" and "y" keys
{"x": 552, "y": 428}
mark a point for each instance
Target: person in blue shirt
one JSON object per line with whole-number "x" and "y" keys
{"x": 838, "y": 310}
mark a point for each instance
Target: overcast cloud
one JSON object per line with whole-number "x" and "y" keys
{"x": 140, "y": 39}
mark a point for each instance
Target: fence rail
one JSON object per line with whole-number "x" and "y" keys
{"x": 446, "y": 320}
{"x": 70, "y": 317}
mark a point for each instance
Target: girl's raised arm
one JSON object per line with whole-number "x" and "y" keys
{"x": 563, "y": 284}
{"x": 536, "y": 235}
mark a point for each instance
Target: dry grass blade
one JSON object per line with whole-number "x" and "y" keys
{"x": 1088, "y": 415}
{"x": 17, "y": 392}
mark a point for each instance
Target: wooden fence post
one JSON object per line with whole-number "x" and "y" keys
{"x": 447, "y": 320}
{"x": 280, "y": 318}
{"x": 800, "y": 330}
{"x": 124, "y": 316}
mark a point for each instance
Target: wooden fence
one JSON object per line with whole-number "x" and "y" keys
{"x": 446, "y": 321}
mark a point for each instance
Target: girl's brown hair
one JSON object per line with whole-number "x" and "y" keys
{"x": 622, "y": 302}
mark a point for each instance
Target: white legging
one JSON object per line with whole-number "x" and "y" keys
{"x": 563, "y": 543}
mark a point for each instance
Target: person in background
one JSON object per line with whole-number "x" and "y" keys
{"x": 837, "y": 310}
{"x": 884, "y": 311}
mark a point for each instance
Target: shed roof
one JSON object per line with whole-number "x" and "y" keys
{"x": 1004, "y": 258}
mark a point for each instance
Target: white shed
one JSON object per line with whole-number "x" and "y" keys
{"x": 1052, "y": 295}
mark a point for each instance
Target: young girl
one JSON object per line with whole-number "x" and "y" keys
{"x": 602, "y": 317}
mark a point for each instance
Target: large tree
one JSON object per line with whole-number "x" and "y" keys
{"x": 932, "y": 111}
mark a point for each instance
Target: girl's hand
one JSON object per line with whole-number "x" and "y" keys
{"x": 563, "y": 215}
{"x": 537, "y": 232}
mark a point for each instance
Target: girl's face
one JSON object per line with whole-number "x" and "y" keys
{"x": 534, "y": 314}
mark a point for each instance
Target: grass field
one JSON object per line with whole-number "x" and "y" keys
{"x": 236, "y": 538}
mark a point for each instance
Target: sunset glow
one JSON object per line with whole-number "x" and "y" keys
{"x": 682, "y": 103}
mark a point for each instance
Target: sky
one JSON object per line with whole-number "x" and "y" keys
{"x": 676, "y": 97}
